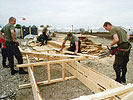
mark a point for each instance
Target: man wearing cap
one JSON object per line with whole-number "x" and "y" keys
{"x": 74, "y": 45}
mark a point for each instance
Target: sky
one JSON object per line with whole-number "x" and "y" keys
{"x": 65, "y": 13}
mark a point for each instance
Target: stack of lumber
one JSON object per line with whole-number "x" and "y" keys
{"x": 88, "y": 47}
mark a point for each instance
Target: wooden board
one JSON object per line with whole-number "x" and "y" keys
{"x": 108, "y": 93}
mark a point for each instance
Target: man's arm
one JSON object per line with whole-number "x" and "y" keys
{"x": 77, "y": 47}
{"x": 47, "y": 33}
{"x": 115, "y": 40}
{"x": 63, "y": 44}
{"x": 128, "y": 36}
{"x": 1, "y": 36}
{"x": 13, "y": 35}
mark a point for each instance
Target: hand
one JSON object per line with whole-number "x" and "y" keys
{"x": 15, "y": 41}
{"x": 75, "y": 52}
{"x": 110, "y": 46}
{"x": 61, "y": 49}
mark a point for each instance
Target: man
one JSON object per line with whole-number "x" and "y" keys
{"x": 74, "y": 45}
{"x": 45, "y": 35}
{"x": 121, "y": 38}
{"x": 12, "y": 46}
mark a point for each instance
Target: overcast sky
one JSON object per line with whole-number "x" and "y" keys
{"x": 65, "y": 13}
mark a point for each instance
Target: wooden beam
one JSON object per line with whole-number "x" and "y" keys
{"x": 102, "y": 80}
{"x": 80, "y": 54}
{"x": 91, "y": 76}
{"x": 128, "y": 97}
{"x": 108, "y": 93}
{"x": 48, "y": 66}
{"x": 50, "y": 62}
{"x": 35, "y": 90}
{"x": 55, "y": 44}
{"x": 48, "y": 54}
{"x": 89, "y": 83}
{"x": 63, "y": 71}
{"x": 98, "y": 78}
{"x": 46, "y": 82}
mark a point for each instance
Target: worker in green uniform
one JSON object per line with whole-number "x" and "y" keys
{"x": 12, "y": 46}
{"x": 74, "y": 45}
{"x": 121, "y": 38}
{"x": 45, "y": 35}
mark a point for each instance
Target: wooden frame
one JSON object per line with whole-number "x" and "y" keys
{"x": 108, "y": 93}
{"x": 103, "y": 86}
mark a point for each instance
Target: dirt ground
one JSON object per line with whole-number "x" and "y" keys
{"x": 67, "y": 90}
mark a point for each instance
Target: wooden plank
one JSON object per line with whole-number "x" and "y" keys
{"x": 80, "y": 54}
{"x": 46, "y": 82}
{"x": 50, "y": 62}
{"x": 48, "y": 66}
{"x": 90, "y": 84}
{"x": 128, "y": 97}
{"x": 91, "y": 76}
{"x": 104, "y": 81}
{"x": 63, "y": 71}
{"x": 108, "y": 93}
{"x": 48, "y": 54}
{"x": 38, "y": 58}
{"x": 97, "y": 77}
{"x": 35, "y": 90}
{"x": 55, "y": 44}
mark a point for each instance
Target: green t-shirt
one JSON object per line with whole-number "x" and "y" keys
{"x": 7, "y": 31}
{"x": 122, "y": 34}
{"x": 44, "y": 30}
{"x": 73, "y": 40}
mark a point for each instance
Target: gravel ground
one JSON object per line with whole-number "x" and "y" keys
{"x": 59, "y": 91}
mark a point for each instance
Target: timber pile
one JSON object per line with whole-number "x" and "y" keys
{"x": 88, "y": 47}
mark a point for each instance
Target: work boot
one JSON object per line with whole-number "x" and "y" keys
{"x": 6, "y": 66}
{"x": 118, "y": 78}
{"x": 14, "y": 72}
{"x": 21, "y": 71}
{"x": 123, "y": 78}
{"x": 46, "y": 42}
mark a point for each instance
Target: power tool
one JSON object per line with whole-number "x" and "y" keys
{"x": 112, "y": 51}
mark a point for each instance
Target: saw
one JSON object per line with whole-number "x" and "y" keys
{"x": 112, "y": 51}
